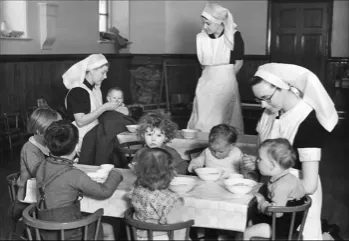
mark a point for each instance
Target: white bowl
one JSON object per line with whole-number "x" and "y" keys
{"x": 107, "y": 166}
{"x": 208, "y": 173}
{"x": 235, "y": 176}
{"x": 239, "y": 186}
{"x": 182, "y": 184}
{"x": 132, "y": 128}
{"x": 189, "y": 133}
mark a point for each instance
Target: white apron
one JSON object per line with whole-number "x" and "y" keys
{"x": 95, "y": 102}
{"x": 287, "y": 127}
{"x": 217, "y": 99}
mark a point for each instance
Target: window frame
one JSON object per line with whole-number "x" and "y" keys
{"x": 107, "y": 15}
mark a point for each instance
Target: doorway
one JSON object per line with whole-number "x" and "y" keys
{"x": 300, "y": 33}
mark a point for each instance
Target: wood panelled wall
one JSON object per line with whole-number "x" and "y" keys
{"x": 23, "y": 79}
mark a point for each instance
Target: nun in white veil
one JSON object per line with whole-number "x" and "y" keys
{"x": 220, "y": 50}
{"x": 298, "y": 108}
{"x": 84, "y": 99}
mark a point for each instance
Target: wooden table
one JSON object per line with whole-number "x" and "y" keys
{"x": 247, "y": 143}
{"x": 209, "y": 203}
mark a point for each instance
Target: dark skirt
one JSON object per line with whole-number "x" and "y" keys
{"x": 283, "y": 223}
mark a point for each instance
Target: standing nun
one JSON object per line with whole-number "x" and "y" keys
{"x": 220, "y": 51}
{"x": 84, "y": 99}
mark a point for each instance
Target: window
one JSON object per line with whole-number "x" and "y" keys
{"x": 14, "y": 13}
{"x": 103, "y": 15}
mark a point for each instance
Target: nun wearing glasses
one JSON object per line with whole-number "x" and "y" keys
{"x": 298, "y": 108}
{"x": 220, "y": 50}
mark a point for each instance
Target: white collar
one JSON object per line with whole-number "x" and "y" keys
{"x": 42, "y": 148}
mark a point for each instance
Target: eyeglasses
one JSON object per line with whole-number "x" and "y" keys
{"x": 266, "y": 99}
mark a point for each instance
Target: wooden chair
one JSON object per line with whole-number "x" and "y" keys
{"x": 132, "y": 225}
{"x": 190, "y": 153}
{"x": 13, "y": 132}
{"x": 13, "y": 189}
{"x": 292, "y": 235}
{"x": 129, "y": 149}
{"x": 35, "y": 225}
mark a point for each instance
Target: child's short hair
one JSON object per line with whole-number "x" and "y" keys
{"x": 223, "y": 131}
{"x": 157, "y": 119}
{"x": 41, "y": 118}
{"x": 281, "y": 150}
{"x": 61, "y": 137}
{"x": 154, "y": 169}
{"x": 115, "y": 88}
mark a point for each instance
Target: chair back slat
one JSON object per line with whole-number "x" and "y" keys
{"x": 134, "y": 233}
{"x": 151, "y": 227}
{"x": 290, "y": 231}
{"x": 150, "y": 234}
{"x": 302, "y": 224}
{"x": 12, "y": 185}
{"x": 29, "y": 219}
{"x": 171, "y": 235}
{"x": 37, "y": 234}
{"x": 29, "y": 233}
{"x": 97, "y": 228}
{"x": 85, "y": 232}
{"x": 296, "y": 210}
{"x": 273, "y": 230}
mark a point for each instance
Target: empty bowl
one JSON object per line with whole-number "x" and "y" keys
{"x": 208, "y": 173}
{"x": 189, "y": 133}
{"x": 239, "y": 186}
{"x": 132, "y": 128}
{"x": 107, "y": 166}
{"x": 235, "y": 176}
{"x": 182, "y": 184}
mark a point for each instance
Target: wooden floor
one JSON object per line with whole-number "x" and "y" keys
{"x": 334, "y": 171}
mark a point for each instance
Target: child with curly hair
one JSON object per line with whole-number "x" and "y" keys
{"x": 156, "y": 129}
{"x": 151, "y": 198}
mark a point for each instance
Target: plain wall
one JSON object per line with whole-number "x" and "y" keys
{"x": 157, "y": 27}
{"x": 77, "y": 31}
{"x": 340, "y": 29}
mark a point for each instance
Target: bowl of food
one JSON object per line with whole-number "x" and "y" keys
{"x": 189, "y": 133}
{"x": 208, "y": 173}
{"x": 182, "y": 184}
{"x": 132, "y": 128}
{"x": 239, "y": 186}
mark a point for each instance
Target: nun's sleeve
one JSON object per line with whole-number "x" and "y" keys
{"x": 239, "y": 48}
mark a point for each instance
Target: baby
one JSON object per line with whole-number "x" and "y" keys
{"x": 156, "y": 129}
{"x": 115, "y": 94}
{"x": 276, "y": 157}
{"x": 221, "y": 153}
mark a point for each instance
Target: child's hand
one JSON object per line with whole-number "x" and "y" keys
{"x": 260, "y": 198}
{"x": 249, "y": 162}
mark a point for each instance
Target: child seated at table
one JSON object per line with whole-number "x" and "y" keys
{"x": 33, "y": 152}
{"x": 115, "y": 94}
{"x": 60, "y": 185}
{"x": 276, "y": 158}
{"x": 221, "y": 153}
{"x": 156, "y": 129}
{"x": 150, "y": 196}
